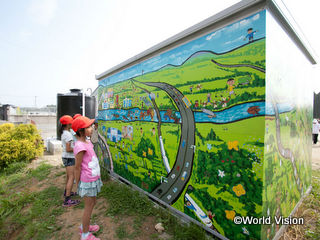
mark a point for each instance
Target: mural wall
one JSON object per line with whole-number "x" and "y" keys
{"x": 188, "y": 125}
{"x": 287, "y": 166}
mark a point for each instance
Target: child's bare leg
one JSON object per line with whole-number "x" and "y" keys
{"x": 89, "y": 203}
{"x": 70, "y": 178}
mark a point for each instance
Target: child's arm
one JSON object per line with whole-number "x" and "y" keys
{"x": 68, "y": 147}
{"x": 77, "y": 169}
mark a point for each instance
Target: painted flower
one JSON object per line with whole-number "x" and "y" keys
{"x": 233, "y": 145}
{"x": 209, "y": 146}
{"x": 221, "y": 173}
{"x": 230, "y": 214}
{"x": 239, "y": 190}
{"x": 150, "y": 152}
{"x": 245, "y": 231}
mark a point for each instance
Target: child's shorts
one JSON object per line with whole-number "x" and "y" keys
{"x": 67, "y": 162}
{"x": 89, "y": 189}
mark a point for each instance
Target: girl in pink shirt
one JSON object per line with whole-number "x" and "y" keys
{"x": 87, "y": 174}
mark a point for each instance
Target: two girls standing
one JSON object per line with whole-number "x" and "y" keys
{"x": 86, "y": 173}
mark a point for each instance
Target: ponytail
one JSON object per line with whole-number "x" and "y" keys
{"x": 62, "y": 127}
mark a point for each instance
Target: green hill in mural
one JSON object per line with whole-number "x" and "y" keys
{"x": 196, "y": 76}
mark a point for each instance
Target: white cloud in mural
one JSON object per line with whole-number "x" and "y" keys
{"x": 217, "y": 34}
{"x": 196, "y": 47}
{"x": 152, "y": 61}
{"x": 233, "y": 27}
{"x": 235, "y": 40}
{"x": 244, "y": 22}
{"x": 256, "y": 17}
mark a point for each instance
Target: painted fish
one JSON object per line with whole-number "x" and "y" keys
{"x": 253, "y": 110}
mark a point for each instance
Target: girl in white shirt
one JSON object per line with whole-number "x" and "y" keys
{"x": 68, "y": 159}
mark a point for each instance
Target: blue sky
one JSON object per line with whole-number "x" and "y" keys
{"x": 218, "y": 41}
{"x": 50, "y": 46}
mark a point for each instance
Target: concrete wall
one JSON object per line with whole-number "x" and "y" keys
{"x": 46, "y": 124}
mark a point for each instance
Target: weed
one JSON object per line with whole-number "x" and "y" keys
{"x": 40, "y": 172}
{"x": 125, "y": 201}
{"x": 80, "y": 205}
{"x": 32, "y": 214}
{"x": 105, "y": 175}
{"x": 14, "y": 168}
{"x": 121, "y": 232}
{"x": 60, "y": 174}
{"x": 15, "y": 179}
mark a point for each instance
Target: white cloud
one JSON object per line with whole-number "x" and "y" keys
{"x": 216, "y": 33}
{"x": 233, "y": 27}
{"x": 235, "y": 40}
{"x": 42, "y": 11}
{"x": 244, "y": 22}
{"x": 256, "y": 17}
{"x": 196, "y": 47}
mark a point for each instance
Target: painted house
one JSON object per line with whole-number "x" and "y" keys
{"x": 114, "y": 135}
{"x": 127, "y": 103}
{"x": 242, "y": 144}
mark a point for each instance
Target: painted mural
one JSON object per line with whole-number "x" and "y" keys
{"x": 188, "y": 126}
{"x": 287, "y": 163}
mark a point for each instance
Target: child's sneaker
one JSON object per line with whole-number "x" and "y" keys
{"x": 90, "y": 237}
{"x": 70, "y": 203}
{"x": 92, "y": 228}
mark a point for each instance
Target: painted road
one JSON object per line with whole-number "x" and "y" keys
{"x": 163, "y": 153}
{"x": 286, "y": 152}
{"x": 238, "y": 65}
{"x": 178, "y": 177}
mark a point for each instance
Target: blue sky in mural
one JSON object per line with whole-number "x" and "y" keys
{"x": 222, "y": 40}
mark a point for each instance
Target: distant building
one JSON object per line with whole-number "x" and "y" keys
{"x": 6, "y": 110}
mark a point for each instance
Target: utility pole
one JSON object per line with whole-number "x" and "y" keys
{"x": 35, "y": 101}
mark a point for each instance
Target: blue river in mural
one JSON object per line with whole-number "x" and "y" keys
{"x": 236, "y": 113}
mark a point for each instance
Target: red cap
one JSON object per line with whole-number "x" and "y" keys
{"x": 81, "y": 122}
{"x": 76, "y": 115}
{"x": 66, "y": 119}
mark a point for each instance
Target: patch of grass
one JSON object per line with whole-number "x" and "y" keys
{"x": 32, "y": 214}
{"x": 125, "y": 201}
{"x": 121, "y": 232}
{"x": 189, "y": 232}
{"x": 104, "y": 175}
{"x": 14, "y": 168}
{"x": 40, "y": 172}
{"x": 15, "y": 179}
{"x": 313, "y": 202}
{"x": 310, "y": 212}
{"x": 80, "y": 205}
{"x": 60, "y": 174}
